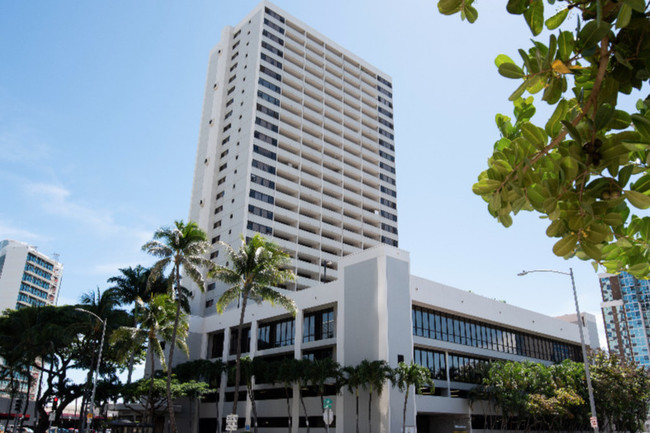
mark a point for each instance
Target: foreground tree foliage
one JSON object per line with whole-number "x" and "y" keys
{"x": 532, "y": 396}
{"x": 586, "y": 169}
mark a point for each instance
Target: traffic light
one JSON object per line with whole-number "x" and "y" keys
{"x": 55, "y": 403}
{"x": 18, "y": 405}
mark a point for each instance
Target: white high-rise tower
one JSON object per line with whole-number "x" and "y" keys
{"x": 296, "y": 143}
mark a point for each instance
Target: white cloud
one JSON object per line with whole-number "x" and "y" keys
{"x": 8, "y": 231}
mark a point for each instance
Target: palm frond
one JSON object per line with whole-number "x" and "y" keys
{"x": 228, "y": 297}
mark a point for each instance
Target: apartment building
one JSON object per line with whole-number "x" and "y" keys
{"x": 296, "y": 143}
{"x": 27, "y": 276}
{"x": 626, "y": 313}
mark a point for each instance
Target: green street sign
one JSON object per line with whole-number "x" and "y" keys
{"x": 327, "y": 403}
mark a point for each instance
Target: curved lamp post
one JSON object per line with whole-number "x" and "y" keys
{"x": 99, "y": 359}
{"x": 592, "y": 404}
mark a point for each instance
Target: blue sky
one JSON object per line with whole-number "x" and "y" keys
{"x": 99, "y": 113}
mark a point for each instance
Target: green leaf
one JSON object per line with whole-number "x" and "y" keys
{"x": 613, "y": 219}
{"x": 572, "y": 131}
{"x": 553, "y": 125}
{"x": 566, "y": 245}
{"x": 501, "y": 59}
{"x": 565, "y": 46}
{"x": 516, "y": 7}
{"x": 592, "y": 33}
{"x": 638, "y": 199}
{"x": 594, "y": 251}
{"x": 624, "y": 15}
{"x": 485, "y": 186}
{"x": 637, "y": 5}
{"x": 620, "y": 120}
{"x": 553, "y": 91}
{"x": 556, "y": 20}
{"x": 555, "y": 228}
{"x": 642, "y": 124}
{"x": 470, "y": 13}
{"x": 534, "y": 16}
{"x": 624, "y": 175}
{"x": 449, "y": 7}
{"x": 570, "y": 167}
{"x": 603, "y": 115}
{"x": 536, "y": 136}
{"x": 642, "y": 184}
{"x": 510, "y": 70}
{"x": 520, "y": 91}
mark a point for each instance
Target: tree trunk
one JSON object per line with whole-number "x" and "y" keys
{"x": 370, "y": 411}
{"x": 150, "y": 403}
{"x": 304, "y": 408}
{"x": 132, "y": 355}
{"x": 253, "y": 406}
{"x": 172, "y": 344}
{"x": 286, "y": 392}
{"x": 238, "y": 359}
{"x": 406, "y": 399}
{"x": 356, "y": 394}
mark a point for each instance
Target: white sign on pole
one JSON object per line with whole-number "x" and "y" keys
{"x": 52, "y": 416}
{"x": 328, "y": 416}
{"x": 594, "y": 422}
{"x": 231, "y": 422}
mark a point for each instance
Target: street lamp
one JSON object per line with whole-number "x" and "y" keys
{"x": 99, "y": 360}
{"x": 592, "y": 404}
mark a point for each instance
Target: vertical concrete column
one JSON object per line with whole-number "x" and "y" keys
{"x": 224, "y": 375}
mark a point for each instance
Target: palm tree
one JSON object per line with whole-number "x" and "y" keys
{"x": 374, "y": 374}
{"x": 285, "y": 373}
{"x": 133, "y": 285}
{"x": 256, "y": 267}
{"x": 353, "y": 381}
{"x": 407, "y": 375}
{"x": 321, "y": 372}
{"x": 183, "y": 245}
{"x": 155, "y": 319}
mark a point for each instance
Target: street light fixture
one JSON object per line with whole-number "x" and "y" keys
{"x": 592, "y": 404}
{"x": 99, "y": 360}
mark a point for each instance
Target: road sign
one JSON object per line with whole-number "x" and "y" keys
{"x": 327, "y": 403}
{"x": 89, "y": 416}
{"x": 328, "y": 416}
{"x": 594, "y": 422}
{"x": 52, "y": 416}
{"x": 231, "y": 422}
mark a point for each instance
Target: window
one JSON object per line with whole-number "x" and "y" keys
{"x": 235, "y": 45}
{"x": 388, "y": 203}
{"x": 388, "y": 191}
{"x": 209, "y": 303}
{"x": 214, "y": 254}
{"x": 387, "y": 167}
{"x": 386, "y": 156}
{"x": 222, "y": 180}
{"x": 388, "y": 215}
{"x": 264, "y": 152}
{"x": 276, "y": 334}
{"x": 384, "y": 91}
{"x": 269, "y": 98}
{"x": 265, "y": 138}
{"x": 228, "y": 114}
{"x": 386, "y": 123}
{"x": 262, "y": 109}
{"x": 216, "y": 343}
{"x": 245, "y": 341}
{"x": 386, "y": 144}
{"x": 273, "y": 25}
{"x": 261, "y": 181}
{"x": 264, "y": 167}
{"x": 318, "y": 325}
{"x": 271, "y": 61}
{"x": 215, "y": 239}
{"x": 384, "y": 81}
{"x": 260, "y": 212}
{"x": 388, "y": 228}
{"x": 261, "y": 196}
{"x": 224, "y": 153}
{"x": 385, "y": 101}
{"x": 259, "y": 228}
{"x": 216, "y": 224}
{"x": 272, "y": 37}
{"x": 266, "y": 124}
{"x": 229, "y": 103}
{"x": 217, "y": 210}
{"x": 270, "y": 73}
{"x": 274, "y": 15}
{"x": 225, "y": 140}
{"x": 234, "y": 55}
{"x": 385, "y": 112}
{"x": 272, "y": 49}
{"x": 233, "y": 67}
{"x": 269, "y": 85}
{"x": 227, "y": 127}
{"x": 386, "y": 178}
{"x": 232, "y": 89}
{"x": 223, "y": 167}
{"x": 386, "y": 134}
{"x": 388, "y": 241}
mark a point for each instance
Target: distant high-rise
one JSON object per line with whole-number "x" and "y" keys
{"x": 296, "y": 143}
{"x": 626, "y": 312}
{"x": 27, "y": 276}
